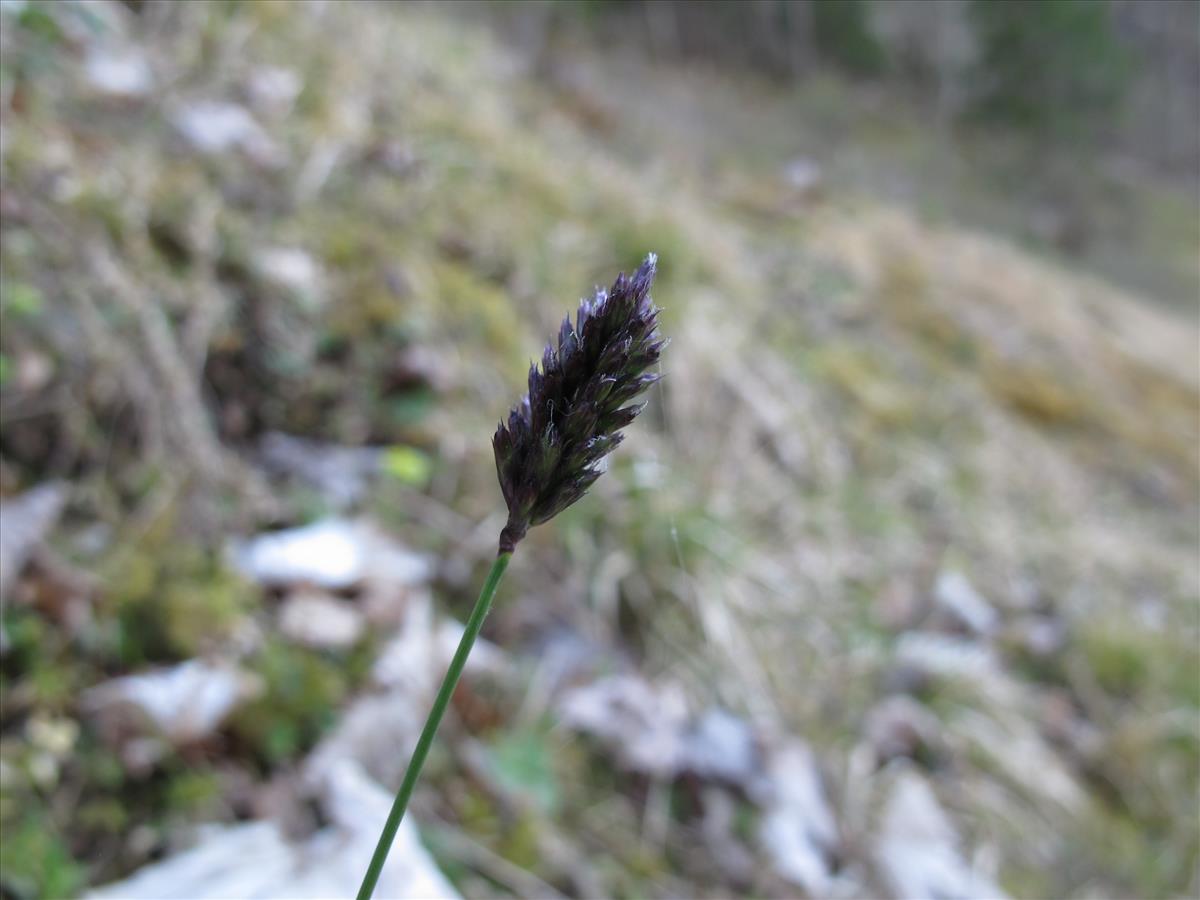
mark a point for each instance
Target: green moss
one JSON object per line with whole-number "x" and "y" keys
{"x": 94, "y": 203}
{"x": 21, "y": 300}
{"x": 1183, "y": 674}
{"x": 632, "y": 240}
{"x": 1037, "y": 392}
{"x": 171, "y": 600}
{"x": 174, "y": 208}
{"x": 906, "y": 292}
{"x": 26, "y": 633}
{"x": 519, "y": 843}
{"x": 203, "y": 606}
{"x": 35, "y": 860}
{"x": 48, "y": 677}
{"x": 1118, "y": 655}
{"x": 857, "y": 373}
{"x": 103, "y": 815}
{"x": 479, "y": 311}
{"x": 192, "y": 791}
{"x": 99, "y": 765}
{"x": 1139, "y": 861}
{"x": 351, "y": 242}
{"x": 54, "y": 685}
{"x": 304, "y": 689}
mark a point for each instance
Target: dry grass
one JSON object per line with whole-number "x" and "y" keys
{"x": 854, "y": 402}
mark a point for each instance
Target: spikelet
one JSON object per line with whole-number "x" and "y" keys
{"x": 549, "y": 452}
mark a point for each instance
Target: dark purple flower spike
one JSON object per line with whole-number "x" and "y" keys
{"x": 549, "y": 452}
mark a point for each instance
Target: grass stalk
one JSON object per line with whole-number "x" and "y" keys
{"x": 421, "y": 751}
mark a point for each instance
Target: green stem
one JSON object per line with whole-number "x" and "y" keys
{"x": 445, "y": 692}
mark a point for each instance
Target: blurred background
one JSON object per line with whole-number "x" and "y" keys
{"x": 893, "y": 591}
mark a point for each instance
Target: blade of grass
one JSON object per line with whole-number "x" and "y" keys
{"x": 425, "y": 741}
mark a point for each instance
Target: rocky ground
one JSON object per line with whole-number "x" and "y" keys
{"x": 893, "y": 590}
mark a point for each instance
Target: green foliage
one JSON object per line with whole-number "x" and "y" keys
{"x": 303, "y": 691}
{"x": 524, "y": 763}
{"x": 192, "y": 791}
{"x": 1051, "y": 66}
{"x": 34, "y": 656}
{"x": 27, "y": 638}
{"x": 35, "y": 862}
{"x": 173, "y": 601}
{"x": 408, "y": 465}
{"x": 33, "y": 54}
{"x": 36, "y": 20}
{"x": 405, "y": 411}
{"x": 21, "y": 300}
{"x": 103, "y": 815}
{"x": 1146, "y": 665}
{"x": 843, "y": 35}
{"x": 1121, "y": 658}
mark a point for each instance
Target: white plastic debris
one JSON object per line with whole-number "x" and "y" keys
{"x": 316, "y": 619}
{"x": 213, "y": 127}
{"x": 958, "y": 601}
{"x": 334, "y": 554}
{"x": 1038, "y": 635}
{"x": 378, "y": 731}
{"x": 329, "y": 554}
{"x": 292, "y": 270}
{"x": 122, "y": 73}
{"x": 651, "y": 731}
{"x": 803, "y": 174}
{"x": 25, "y": 520}
{"x": 256, "y": 861}
{"x": 415, "y": 660}
{"x": 648, "y": 729}
{"x": 340, "y": 473}
{"x": 643, "y": 723}
{"x": 918, "y": 849}
{"x": 922, "y": 656}
{"x": 183, "y": 703}
{"x": 722, "y": 746}
{"x": 273, "y": 90}
{"x": 945, "y": 656}
{"x": 408, "y": 661}
{"x": 798, "y": 830}
{"x": 485, "y": 658}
